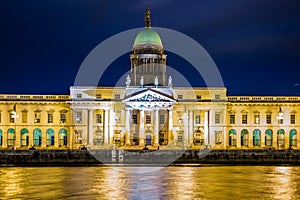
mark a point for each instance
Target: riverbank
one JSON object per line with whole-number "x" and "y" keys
{"x": 148, "y": 158}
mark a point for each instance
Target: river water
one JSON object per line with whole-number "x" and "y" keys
{"x": 210, "y": 182}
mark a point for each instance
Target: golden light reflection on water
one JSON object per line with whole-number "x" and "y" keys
{"x": 227, "y": 182}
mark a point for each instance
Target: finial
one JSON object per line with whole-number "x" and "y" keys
{"x": 147, "y": 17}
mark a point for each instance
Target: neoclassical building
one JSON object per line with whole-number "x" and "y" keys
{"x": 148, "y": 110}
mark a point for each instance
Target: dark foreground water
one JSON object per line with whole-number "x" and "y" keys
{"x": 224, "y": 182}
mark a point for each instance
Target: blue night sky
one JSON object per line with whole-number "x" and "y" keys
{"x": 254, "y": 43}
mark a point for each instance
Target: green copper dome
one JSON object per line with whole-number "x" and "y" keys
{"x": 147, "y": 35}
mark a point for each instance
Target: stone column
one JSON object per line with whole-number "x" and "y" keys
{"x": 156, "y": 128}
{"x": 44, "y": 138}
{"x": 112, "y": 121}
{"x": 274, "y": 139}
{"x": 186, "y": 126}
{"x": 90, "y": 125}
{"x": 17, "y": 137}
{"x": 105, "y": 126}
{"x": 286, "y": 139}
{"x": 56, "y": 138}
{"x": 250, "y": 139}
{"x": 127, "y": 126}
{"x": 238, "y": 138}
{"x": 298, "y": 141}
{"x": 141, "y": 128}
{"x": 262, "y": 139}
{"x": 170, "y": 115}
{"x": 4, "y": 138}
{"x": 206, "y": 134}
{"x": 191, "y": 128}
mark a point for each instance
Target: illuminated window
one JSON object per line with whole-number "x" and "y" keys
{"x": 98, "y": 118}
{"x": 50, "y": 118}
{"x": 269, "y": 118}
{"x": 148, "y": 119}
{"x": 37, "y": 117}
{"x": 161, "y": 119}
{"x": 12, "y": 117}
{"x": 217, "y": 96}
{"x": 232, "y": 119}
{"x": 256, "y": 119}
{"x": 63, "y": 118}
{"x": 244, "y": 119}
{"x": 78, "y": 117}
{"x": 293, "y": 119}
{"x": 134, "y": 119}
{"x": 217, "y": 118}
{"x": 197, "y": 119}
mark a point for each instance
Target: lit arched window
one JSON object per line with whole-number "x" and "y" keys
{"x": 268, "y": 137}
{"x": 256, "y": 137}
{"x": 11, "y": 137}
{"x": 63, "y": 138}
{"x": 37, "y": 137}
{"x": 24, "y": 137}
{"x": 293, "y": 137}
{"x": 232, "y": 137}
{"x": 244, "y": 137}
{"x": 50, "y": 137}
{"x": 280, "y": 138}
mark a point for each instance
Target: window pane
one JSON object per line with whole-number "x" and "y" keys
{"x": 244, "y": 119}
{"x": 217, "y": 118}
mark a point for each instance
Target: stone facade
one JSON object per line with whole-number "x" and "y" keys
{"x": 148, "y": 111}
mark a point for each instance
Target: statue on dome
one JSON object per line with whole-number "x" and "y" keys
{"x": 155, "y": 81}
{"x": 142, "y": 81}
{"x": 128, "y": 81}
{"x": 170, "y": 84}
{"x": 147, "y": 17}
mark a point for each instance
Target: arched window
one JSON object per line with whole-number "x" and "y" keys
{"x": 11, "y": 137}
{"x": 63, "y": 138}
{"x": 232, "y": 137}
{"x": 50, "y": 136}
{"x": 293, "y": 137}
{"x": 244, "y": 137}
{"x": 24, "y": 137}
{"x": 280, "y": 138}
{"x": 268, "y": 137}
{"x": 37, "y": 137}
{"x": 256, "y": 137}
{"x": 0, "y": 137}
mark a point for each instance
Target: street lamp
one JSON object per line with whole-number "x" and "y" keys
{"x": 15, "y": 116}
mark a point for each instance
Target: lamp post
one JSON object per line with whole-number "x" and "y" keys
{"x": 280, "y": 121}
{"x": 15, "y": 116}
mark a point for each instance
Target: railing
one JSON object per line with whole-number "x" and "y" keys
{"x": 263, "y": 98}
{"x": 34, "y": 97}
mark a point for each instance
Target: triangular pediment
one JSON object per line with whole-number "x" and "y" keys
{"x": 148, "y": 95}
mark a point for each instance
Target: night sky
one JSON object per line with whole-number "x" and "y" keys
{"x": 254, "y": 43}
